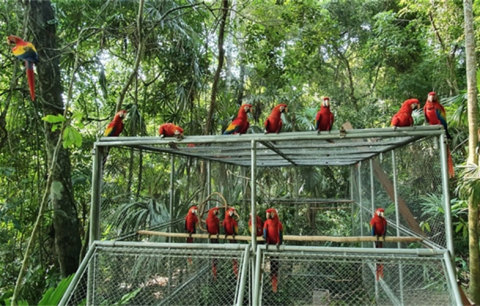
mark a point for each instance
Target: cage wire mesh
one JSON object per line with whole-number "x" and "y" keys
{"x": 326, "y": 278}
{"x": 135, "y": 274}
{"x": 419, "y": 190}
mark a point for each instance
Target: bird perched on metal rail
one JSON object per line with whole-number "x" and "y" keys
{"x": 114, "y": 129}
{"x": 274, "y": 122}
{"x": 170, "y": 130}
{"x": 273, "y": 234}
{"x": 404, "y": 116}
{"x": 324, "y": 119}
{"x": 240, "y": 124}
{"x": 25, "y": 51}
{"x": 378, "y": 223}
{"x": 258, "y": 225}
{"x": 435, "y": 114}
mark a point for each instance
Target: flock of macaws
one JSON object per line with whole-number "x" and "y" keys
{"x": 271, "y": 230}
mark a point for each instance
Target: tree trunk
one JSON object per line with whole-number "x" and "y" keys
{"x": 65, "y": 219}
{"x": 473, "y": 226}
{"x": 221, "y": 58}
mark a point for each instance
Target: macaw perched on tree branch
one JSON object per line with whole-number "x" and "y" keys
{"x": 324, "y": 119}
{"x": 435, "y": 114}
{"x": 26, "y": 52}
{"x": 404, "y": 116}
{"x": 274, "y": 122}
{"x": 240, "y": 124}
{"x": 273, "y": 234}
{"x": 378, "y": 224}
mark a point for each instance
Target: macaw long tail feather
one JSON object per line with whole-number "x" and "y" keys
{"x": 274, "y": 283}
{"x": 189, "y": 240}
{"x": 214, "y": 269}
{"x": 30, "y": 79}
{"x": 379, "y": 271}
{"x": 274, "y": 266}
{"x": 451, "y": 170}
{"x": 235, "y": 267}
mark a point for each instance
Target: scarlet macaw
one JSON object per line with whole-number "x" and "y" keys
{"x": 404, "y": 116}
{"x": 240, "y": 124}
{"x": 170, "y": 130}
{"x": 435, "y": 114}
{"x": 274, "y": 122}
{"x": 191, "y": 221}
{"x": 25, "y": 51}
{"x": 378, "y": 223}
{"x": 230, "y": 226}
{"x": 115, "y": 127}
{"x": 258, "y": 225}
{"x": 324, "y": 119}
{"x": 273, "y": 234}
{"x": 213, "y": 228}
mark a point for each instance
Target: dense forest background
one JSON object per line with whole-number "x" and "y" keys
{"x": 193, "y": 64}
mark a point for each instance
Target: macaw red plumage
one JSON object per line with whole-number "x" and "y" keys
{"x": 170, "y": 130}
{"x": 404, "y": 116}
{"x": 25, "y": 51}
{"x": 258, "y": 225}
{"x": 435, "y": 114}
{"x": 378, "y": 223}
{"x": 240, "y": 124}
{"x": 115, "y": 127}
{"x": 213, "y": 228}
{"x": 324, "y": 119}
{"x": 274, "y": 122}
{"x": 191, "y": 221}
{"x": 230, "y": 227}
{"x": 273, "y": 234}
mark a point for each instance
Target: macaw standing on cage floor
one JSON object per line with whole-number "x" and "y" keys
{"x": 324, "y": 119}
{"x": 404, "y": 116}
{"x": 230, "y": 226}
{"x": 240, "y": 124}
{"x": 213, "y": 228}
{"x": 273, "y": 234}
{"x": 378, "y": 224}
{"x": 274, "y": 122}
{"x": 25, "y": 51}
{"x": 435, "y": 114}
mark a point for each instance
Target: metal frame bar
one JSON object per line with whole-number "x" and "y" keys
{"x": 253, "y": 194}
{"x": 97, "y": 174}
{"x": 397, "y": 220}
{"x": 446, "y": 195}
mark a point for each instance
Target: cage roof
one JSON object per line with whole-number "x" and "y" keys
{"x": 335, "y": 148}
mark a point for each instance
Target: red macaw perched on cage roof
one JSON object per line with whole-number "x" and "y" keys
{"x": 273, "y": 234}
{"x": 435, "y": 114}
{"x": 25, "y": 51}
{"x": 404, "y": 116}
{"x": 170, "y": 130}
{"x": 274, "y": 122}
{"x": 115, "y": 127}
{"x": 324, "y": 119}
{"x": 378, "y": 224}
{"x": 240, "y": 124}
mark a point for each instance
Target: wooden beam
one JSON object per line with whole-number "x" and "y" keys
{"x": 351, "y": 239}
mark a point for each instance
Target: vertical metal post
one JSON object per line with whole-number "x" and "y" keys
{"x": 97, "y": 173}
{"x": 352, "y": 179}
{"x": 253, "y": 194}
{"x": 397, "y": 220}
{"x": 257, "y": 282}
{"x": 359, "y": 172}
{"x": 446, "y": 195}
{"x": 451, "y": 275}
{"x": 372, "y": 200}
{"x": 243, "y": 276}
{"x": 172, "y": 193}
{"x": 209, "y": 180}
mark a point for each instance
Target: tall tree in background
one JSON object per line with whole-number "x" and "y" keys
{"x": 65, "y": 220}
{"x": 473, "y": 216}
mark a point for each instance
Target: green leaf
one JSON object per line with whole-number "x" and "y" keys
{"x": 53, "y": 295}
{"x": 71, "y": 137}
{"x": 54, "y": 118}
